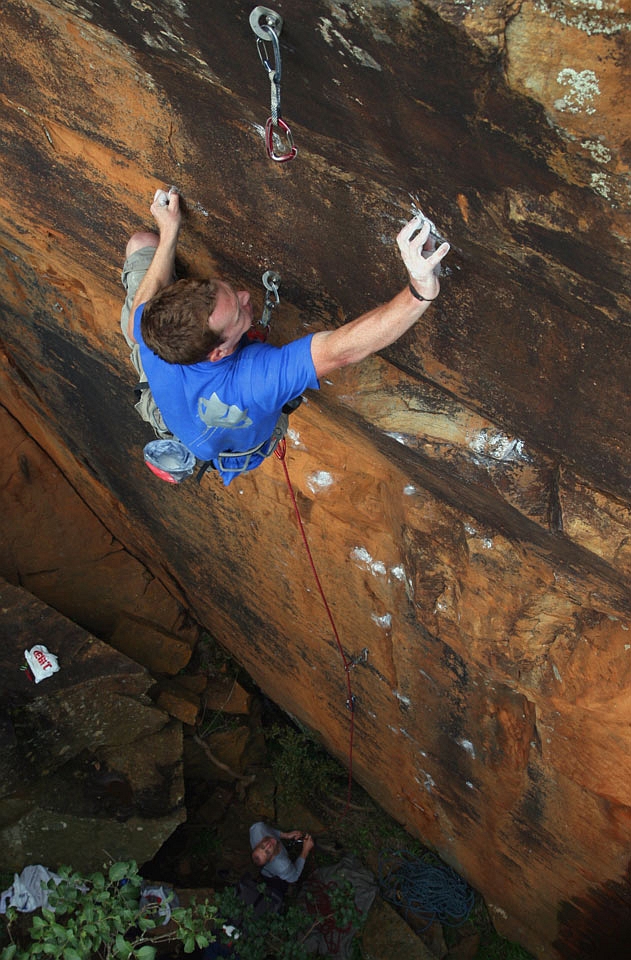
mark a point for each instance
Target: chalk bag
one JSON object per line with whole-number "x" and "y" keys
{"x": 170, "y": 460}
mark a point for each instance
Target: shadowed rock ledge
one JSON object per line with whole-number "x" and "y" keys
{"x": 91, "y": 770}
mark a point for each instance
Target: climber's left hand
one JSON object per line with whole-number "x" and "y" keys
{"x": 166, "y": 210}
{"x": 420, "y": 256}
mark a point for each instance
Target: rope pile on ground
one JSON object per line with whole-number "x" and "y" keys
{"x": 424, "y": 890}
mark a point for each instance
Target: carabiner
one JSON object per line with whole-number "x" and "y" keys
{"x": 260, "y": 44}
{"x": 263, "y": 57}
{"x": 270, "y": 129}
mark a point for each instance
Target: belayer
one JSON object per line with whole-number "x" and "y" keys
{"x": 204, "y": 382}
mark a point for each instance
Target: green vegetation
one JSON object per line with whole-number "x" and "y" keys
{"x": 494, "y": 947}
{"x": 99, "y": 916}
{"x": 303, "y": 771}
{"x": 284, "y": 935}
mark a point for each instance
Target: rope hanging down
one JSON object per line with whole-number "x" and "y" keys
{"x": 271, "y": 282}
{"x": 280, "y": 453}
{"x": 267, "y": 25}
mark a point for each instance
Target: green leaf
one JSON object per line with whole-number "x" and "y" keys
{"x": 145, "y": 953}
{"x": 9, "y": 952}
{"x": 71, "y": 954}
{"x": 118, "y": 871}
{"x": 122, "y": 948}
{"x": 52, "y": 948}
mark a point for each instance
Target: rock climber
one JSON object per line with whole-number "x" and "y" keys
{"x": 221, "y": 394}
{"x": 270, "y": 855}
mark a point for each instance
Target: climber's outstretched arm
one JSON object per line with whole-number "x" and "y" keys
{"x": 167, "y": 214}
{"x": 332, "y": 349}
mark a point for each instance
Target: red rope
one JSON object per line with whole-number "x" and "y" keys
{"x": 321, "y": 906}
{"x": 280, "y": 452}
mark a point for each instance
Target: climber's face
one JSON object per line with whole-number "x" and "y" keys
{"x": 265, "y": 851}
{"x": 231, "y": 318}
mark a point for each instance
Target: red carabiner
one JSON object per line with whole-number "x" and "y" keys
{"x": 269, "y": 141}
{"x": 258, "y": 333}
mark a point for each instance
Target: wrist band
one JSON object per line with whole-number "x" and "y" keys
{"x": 417, "y": 295}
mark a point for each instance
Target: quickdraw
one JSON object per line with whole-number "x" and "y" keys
{"x": 271, "y": 282}
{"x": 267, "y": 25}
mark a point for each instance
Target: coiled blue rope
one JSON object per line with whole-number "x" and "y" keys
{"x": 425, "y": 890}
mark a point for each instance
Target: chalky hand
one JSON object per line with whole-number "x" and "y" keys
{"x": 166, "y": 209}
{"x": 420, "y": 256}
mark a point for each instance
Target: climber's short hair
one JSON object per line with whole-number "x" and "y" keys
{"x": 174, "y": 323}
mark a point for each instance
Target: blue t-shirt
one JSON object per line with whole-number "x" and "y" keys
{"x": 230, "y": 404}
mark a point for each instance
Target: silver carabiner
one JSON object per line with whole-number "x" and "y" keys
{"x": 271, "y": 282}
{"x": 263, "y": 57}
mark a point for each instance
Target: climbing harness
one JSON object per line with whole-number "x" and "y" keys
{"x": 264, "y": 449}
{"x": 267, "y": 25}
{"x": 425, "y": 890}
{"x": 280, "y": 453}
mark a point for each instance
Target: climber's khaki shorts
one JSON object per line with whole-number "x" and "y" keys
{"x": 134, "y": 269}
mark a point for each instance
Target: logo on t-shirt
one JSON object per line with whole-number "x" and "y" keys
{"x": 213, "y": 412}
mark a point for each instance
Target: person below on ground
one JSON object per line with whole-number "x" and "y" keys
{"x": 270, "y": 855}
{"x": 220, "y": 393}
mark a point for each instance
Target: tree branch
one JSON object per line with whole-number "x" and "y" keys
{"x": 246, "y": 780}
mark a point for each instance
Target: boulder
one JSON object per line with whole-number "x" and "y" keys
{"x": 226, "y": 695}
{"x": 159, "y": 650}
{"x": 73, "y": 784}
{"x": 386, "y": 934}
{"x": 229, "y": 746}
{"x": 179, "y": 702}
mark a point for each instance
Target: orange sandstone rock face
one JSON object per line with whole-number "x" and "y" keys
{"x": 466, "y": 495}
{"x": 57, "y": 549}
